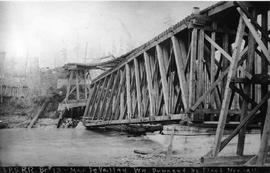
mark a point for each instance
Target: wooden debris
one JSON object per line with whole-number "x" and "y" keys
{"x": 40, "y": 112}
{"x": 143, "y": 152}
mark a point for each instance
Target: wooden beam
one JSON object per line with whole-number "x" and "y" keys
{"x": 155, "y": 82}
{"x": 102, "y": 96}
{"x": 266, "y": 110}
{"x": 118, "y": 95}
{"x": 253, "y": 19}
{"x": 171, "y": 90}
{"x": 99, "y": 113}
{"x": 264, "y": 67}
{"x": 122, "y": 105}
{"x": 216, "y": 111}
{"x": 68, "y": 87}
{"x": 225, "y": 62}
{"x": 99, "y": 91}
{"x": 156, "y": 119}
{"x": 71, "y": 91}
{"x": 111, "y": 96}
{"x": 128, "y": 95}
{"x": 247, "y": 90}
{"x": 143, "y": 88}
{"x": 164, "y": 82}
{"x": 255, "y": 34}
{"x": 132, "y": 89}
{"x": 77, "y": 85}
{"x": 145, "y": 96}
{"x": 180, "y": 71}
{"x": 227, "y": 94}
{"x": 217, "y": 9}
{"x": 240, "y": 62}
{"x": 243, "y": 95}
{"x": 192, "y": 80}
{"x": 264, "y": 140}
{"x": 90, "y": 99}
{"x": 249, "y": 116}
{"x": 40, "y": 112}
{"x": 199, "y": 100}
{"x": 208, "y": 74}
{"x": 70, "y": 104}
{"x": 160, "y": 99}
{"x": 262, "y": 56}
{"x": 200, "y": 63}
{"x": 149, "y": 83}
{"x": 183, "y": 51}
{"x": 178, "y": 104}
{"x": 138, "y": 86}
{"x": 212, "y": 60}
{"x": 85, "y": 86}
{"x": 213, "y": 43}
{"x": 186, "y": 64}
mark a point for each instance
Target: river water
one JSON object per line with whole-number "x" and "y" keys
{"x": 72, "y": 147}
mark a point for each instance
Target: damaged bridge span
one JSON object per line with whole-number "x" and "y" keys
{"x": 211, "y": 66}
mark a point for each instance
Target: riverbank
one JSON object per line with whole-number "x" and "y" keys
{"x": 19, "y": 117}
{"x": 19, "y": 112}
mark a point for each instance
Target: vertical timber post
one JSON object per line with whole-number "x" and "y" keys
{"x": 264, "y": 141}
{"x": 122, "y": 99}
{"x": 247, "y": 90}
{"x": 128, "y": 90}
{"x": 212, "y": 66}
{"x": 265, "y": 129}
{"x": 138, "y": 86}
{"x": 225, "y": 62}
{"x": 264, "y": 68}
{"x": 69, "y": 84}
{"x": 77, "y": 85}
{"x": 192, "y": 67}
{"x": 200, "y": 60}
{"x": 85, "y": 84}
{"x": 228, "y": 92}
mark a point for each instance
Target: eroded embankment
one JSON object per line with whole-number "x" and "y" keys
{"x": 18, "y": 113}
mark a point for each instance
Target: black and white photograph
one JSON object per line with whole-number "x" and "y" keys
{"x": 134, "y": 86}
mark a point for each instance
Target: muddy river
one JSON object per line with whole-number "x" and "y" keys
{"x": 72, "y": 147}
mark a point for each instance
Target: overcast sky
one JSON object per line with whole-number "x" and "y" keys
{"x": 52, "y": 31}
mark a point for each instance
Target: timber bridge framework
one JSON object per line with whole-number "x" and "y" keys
{"x": 212, "y": 66}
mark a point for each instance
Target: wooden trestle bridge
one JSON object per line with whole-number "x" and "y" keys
{"x": 211, "y": 66}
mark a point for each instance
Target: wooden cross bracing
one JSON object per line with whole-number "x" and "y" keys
{"x": 193, "y": 73}
{"x": 77, "y": 89}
